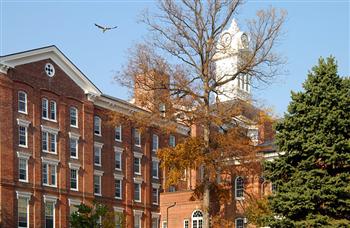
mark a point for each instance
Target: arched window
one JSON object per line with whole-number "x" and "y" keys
{"x": 97, "y": 125}
{"x": 239, "y": 188}
{"x": 197, "y": 219}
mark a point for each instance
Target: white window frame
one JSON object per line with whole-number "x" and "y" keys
{"x": 240, "y": 189}
{"x": 118, "y": 129}
{"x": 138, "y": 216}
{"x": 44, "y": 106}
{"x": 25, "y": 157}
{"x": 117, "y": 178}
{"x": 196, "y": 219}
{"x": 49, "y": 162}
{"x": 72, "y": 203}
{"x": 118, "y": 211}
{"x": 118, "y": 152}
{"x": 75, "y": 137}
{"x": 170, "y": 140}
{"x": 155, "y": 187}
{"x": 98, "y": 174}
{"x": 25, "y": 102}
{"x": 188, "y": 223}
{"x": 155, "y": 142}
{"x": 49, "y": 131}
{"x": 52, "y": 200}
{"x": 75, "y": 167}
{"x": 26, "y": 196}
{"x": 164, "y": 224}
{"x": 53, "y": 110}
{"x": 137, "y": 134}
{"x": 155, "y": 161}
{"x": 239, "y": 219}
{"x": 140, "y": 190}
{"x": 97, "y": 123}
{"x": 139, "y": 171}
{"x": 24, "y": 124}
{"x": 98, "y": 146}
{"x": 155, "y": 217}
{"x": 76, "y": 117}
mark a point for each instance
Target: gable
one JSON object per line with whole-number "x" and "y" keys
{"x": 53, "y": 53}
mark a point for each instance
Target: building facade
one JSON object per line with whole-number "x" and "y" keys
{"x": 59, "y": 149}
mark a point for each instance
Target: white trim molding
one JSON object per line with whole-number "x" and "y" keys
{"x": 23, "y": 123}
{"x": 74, "y": 165}
{"x": 138, "y": 154}
{"x": 118, "y": 209}
{"x": 73, "y": 135}
{"x": 155, "y": 215}
{"x": 155, "y": 185}
{"x": 98, "y": 144}
{"x": 138, "y": 212}
{"x": 23, "y": 155}
{"x": 51, "y": 130}
{"x": 118, "y": 149}
{"x": 118, "y": 176}
{"x": 155, "y": 159}
{"x": 52, "y": 199}
{"x": 26, "y": 195}
{"x": 50, "y": 161}
{"x": 138, "y": 180}
{"x": 98, "y": 172}
{"x": 74, "y": 202}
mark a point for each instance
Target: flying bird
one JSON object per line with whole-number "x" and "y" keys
{"x": 104, "y": 29}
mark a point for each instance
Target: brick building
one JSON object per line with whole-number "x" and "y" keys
{"x": 57, "y": 148}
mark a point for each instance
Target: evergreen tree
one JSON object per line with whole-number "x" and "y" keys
{"x": 313, "y": 177}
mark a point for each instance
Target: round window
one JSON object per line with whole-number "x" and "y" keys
{"x": 49, "y": 69}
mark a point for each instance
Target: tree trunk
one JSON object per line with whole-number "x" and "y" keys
{"x": 206, "y": 191}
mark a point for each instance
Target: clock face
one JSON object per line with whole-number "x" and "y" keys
{"x": 244, "y": 40}
{"x": 226, "y": 39}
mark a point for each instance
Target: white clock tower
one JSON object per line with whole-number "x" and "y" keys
{"x": 232, "y": 42}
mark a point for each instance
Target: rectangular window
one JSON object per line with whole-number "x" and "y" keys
{"x": 49, "y": 215}
{"x": 73, "y": 113}
{"x": 52, "y": 110}
{"x": 45, "y": 108}
{"x": 49, "y": 172}
{"x": 97, "y": 155}
{"x": 118, "y": 133}
{"x": 137, "y": 221}
{"x": 22, "y": 135}
{"x": 155, "y": 169}
{"x": 118, "y": 160}
{"x": 164, "y": 224}
{"x": 97, "y": 125}
{"x": 239, "y": 223}
{"x": 155, "y": 223}
{"x": 137, "y": 192}
{"x": 186, "y": 223}
{"x": 155, "y": 142}
{"x": 172, "y": 141}
{"x": 73, "y": 147}
{"x": 23, "y": 169}
{"x": 119, "y": 217}
{"x": 23, "y": 212}
{"x": 137, "y": 137}
{"x": 48, "y": 142}
{"x": 97, "y": 185}
{"x": 137, "y": 166}
{"x": 155, "y": 196}
{"x": 22, "y": 102}
{"x": 74, "y": 179}
{"x": 118, "y": 188}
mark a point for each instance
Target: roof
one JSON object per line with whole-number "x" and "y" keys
{"x": 53, "y": 53}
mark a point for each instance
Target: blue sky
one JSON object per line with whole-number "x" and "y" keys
{"x": 313, "y": 29}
